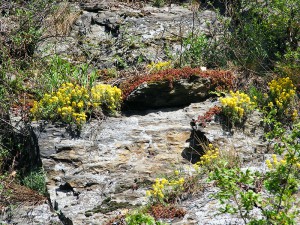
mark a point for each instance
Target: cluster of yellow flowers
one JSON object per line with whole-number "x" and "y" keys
{"x": 282, "y": 91}
{"x": 294, "y": 114}
{"x": 106, "y": 96}
{"x": 211, "y": 154}
{"x": 237, "y": 105}
{"x": 163, "y": 186}
{"x": 275, "y": 163}
{"x": 154, "y": 67}
{"x": 70, "y": 102}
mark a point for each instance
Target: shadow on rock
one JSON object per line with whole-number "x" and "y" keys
{"x": 197, "y": 142}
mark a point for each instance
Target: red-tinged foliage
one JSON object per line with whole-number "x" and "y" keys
{"x": 220, "y": 79}
{"x": 166, "y": 212}
{"x": 207, "y": 117}
{"x": 119, "y": 219}
{"x": 21, "y": 105}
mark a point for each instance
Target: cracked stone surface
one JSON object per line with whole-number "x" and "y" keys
{"x": 116, "y": 160}
{"x": 110, "y": 33}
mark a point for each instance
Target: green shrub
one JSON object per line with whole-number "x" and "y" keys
{"x": 257, "y": 34}
{"x": 28, "y": 16}
{"x": 196, "y": 48}
{"x": 273, "y": 192}
{"x": 289, "y": 66}
{"x": 139, "y": 218}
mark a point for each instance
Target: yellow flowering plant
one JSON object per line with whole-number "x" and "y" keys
{"x": 164, "y": 189}
{"x": 275, "y": 163}
{"x": 209, "y": 158}
{"x": 106, "y": 96}
{"x": 155, "y": 67}
{"x": 236, "y": 106}
{"x": 72, "y": 103}
{"x": 272, "y": 164}
{"x": 281, "y": 97}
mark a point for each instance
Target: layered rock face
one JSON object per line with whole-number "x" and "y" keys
{"x": 108, "y": 169}
{"x": 115, "y": 159}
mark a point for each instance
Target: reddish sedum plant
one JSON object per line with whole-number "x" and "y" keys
{"x": 207, "y": 117}
{"x": 220, "y": 79}
{"x": 166, "y": 211}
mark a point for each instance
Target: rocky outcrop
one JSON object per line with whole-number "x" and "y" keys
{"x": 108, "y": 169}
{"x": 34, "y": 213}
{"x": 112, "y": 33}
{"x": 169, "y": 94}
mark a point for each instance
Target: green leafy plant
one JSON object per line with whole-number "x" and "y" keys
{"x": 196, "y": 47}
{"x": 36, "y": 180}
{"x": 257, "y": 96}
{"x": 136, "y": 218}
{"x": 234, "y": 185}
{"x": 59, "y": 71}
{"x": 159, "y": 3}
{"x": 242, "y": 191}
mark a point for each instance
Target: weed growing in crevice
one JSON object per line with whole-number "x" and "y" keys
{"x": 208, "y": 116}
{"x": 141, "y": 218}
{"x": 167, "y": 212}
{"x": 36, "y": 180}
